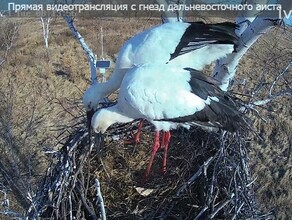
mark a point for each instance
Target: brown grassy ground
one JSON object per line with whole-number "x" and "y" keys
{"x": 41, "y": 87}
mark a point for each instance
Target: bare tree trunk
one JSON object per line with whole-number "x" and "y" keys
{"x": 88, "y": 51}
{"x": 225, "y": 68}
{"x": 246, "y": 17}
{"x": 45, "y": 24}
{"x": 172, "y": 16}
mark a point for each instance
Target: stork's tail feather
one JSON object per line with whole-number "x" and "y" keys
{"x": 222, "y": 114}
{"x": 221, "y": 109}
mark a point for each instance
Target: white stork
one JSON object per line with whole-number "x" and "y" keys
{"x": 168, "y": 97}
{"x": 184, "y": 44}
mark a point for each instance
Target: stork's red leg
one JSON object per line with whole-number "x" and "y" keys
{"x": 162, "y": 140}
{"x": 136, "y": 138}
{"x": 155, "y": 147}
{"x": 165, "y": 142}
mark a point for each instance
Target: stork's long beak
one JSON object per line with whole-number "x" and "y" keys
{"x": 89, "y": 115}
{"x": 99, "y": 141}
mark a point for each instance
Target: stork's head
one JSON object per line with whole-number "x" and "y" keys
{"x": 101, "y": 120}
{"x": 91, "y": 98}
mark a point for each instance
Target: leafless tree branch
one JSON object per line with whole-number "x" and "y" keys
{"x": 9, "y": 33}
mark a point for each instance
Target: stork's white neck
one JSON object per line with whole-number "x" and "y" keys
{"x": 105, "y": 117}
{"x": 113, "y": 83}
{"x": 117, "y": 116}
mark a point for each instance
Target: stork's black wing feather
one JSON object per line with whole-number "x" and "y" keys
{"x": 220, "y": 109}
{"x": 198, "y": 35}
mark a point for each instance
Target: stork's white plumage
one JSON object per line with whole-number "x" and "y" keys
{"x": 169, "y": 97}
{"x": 183, "y": 44}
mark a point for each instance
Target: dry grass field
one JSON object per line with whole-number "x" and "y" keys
{"x": 41, "y": 90}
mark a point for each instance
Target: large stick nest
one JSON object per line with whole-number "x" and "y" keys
{"x": 208, "y": 177}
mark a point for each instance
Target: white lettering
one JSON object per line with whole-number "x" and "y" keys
{"x": 150, "y": 7}
{"x": 161, "y": 8}
{"x": 170, "y": 7}
{"x": 9, "y": 6}
{"x": 133, "y": 7}
{"x": 92, "y": 7}
{"x": 287, "y": 14}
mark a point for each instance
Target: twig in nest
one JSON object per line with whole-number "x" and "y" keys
{"x": 201, "y": 212}
{"x": 202, "y": 169}
{"x": 220, "y": 207}
{"x": 100, "y": 199}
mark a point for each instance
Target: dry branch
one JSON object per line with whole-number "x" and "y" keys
{"x": 7, "y": 38}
